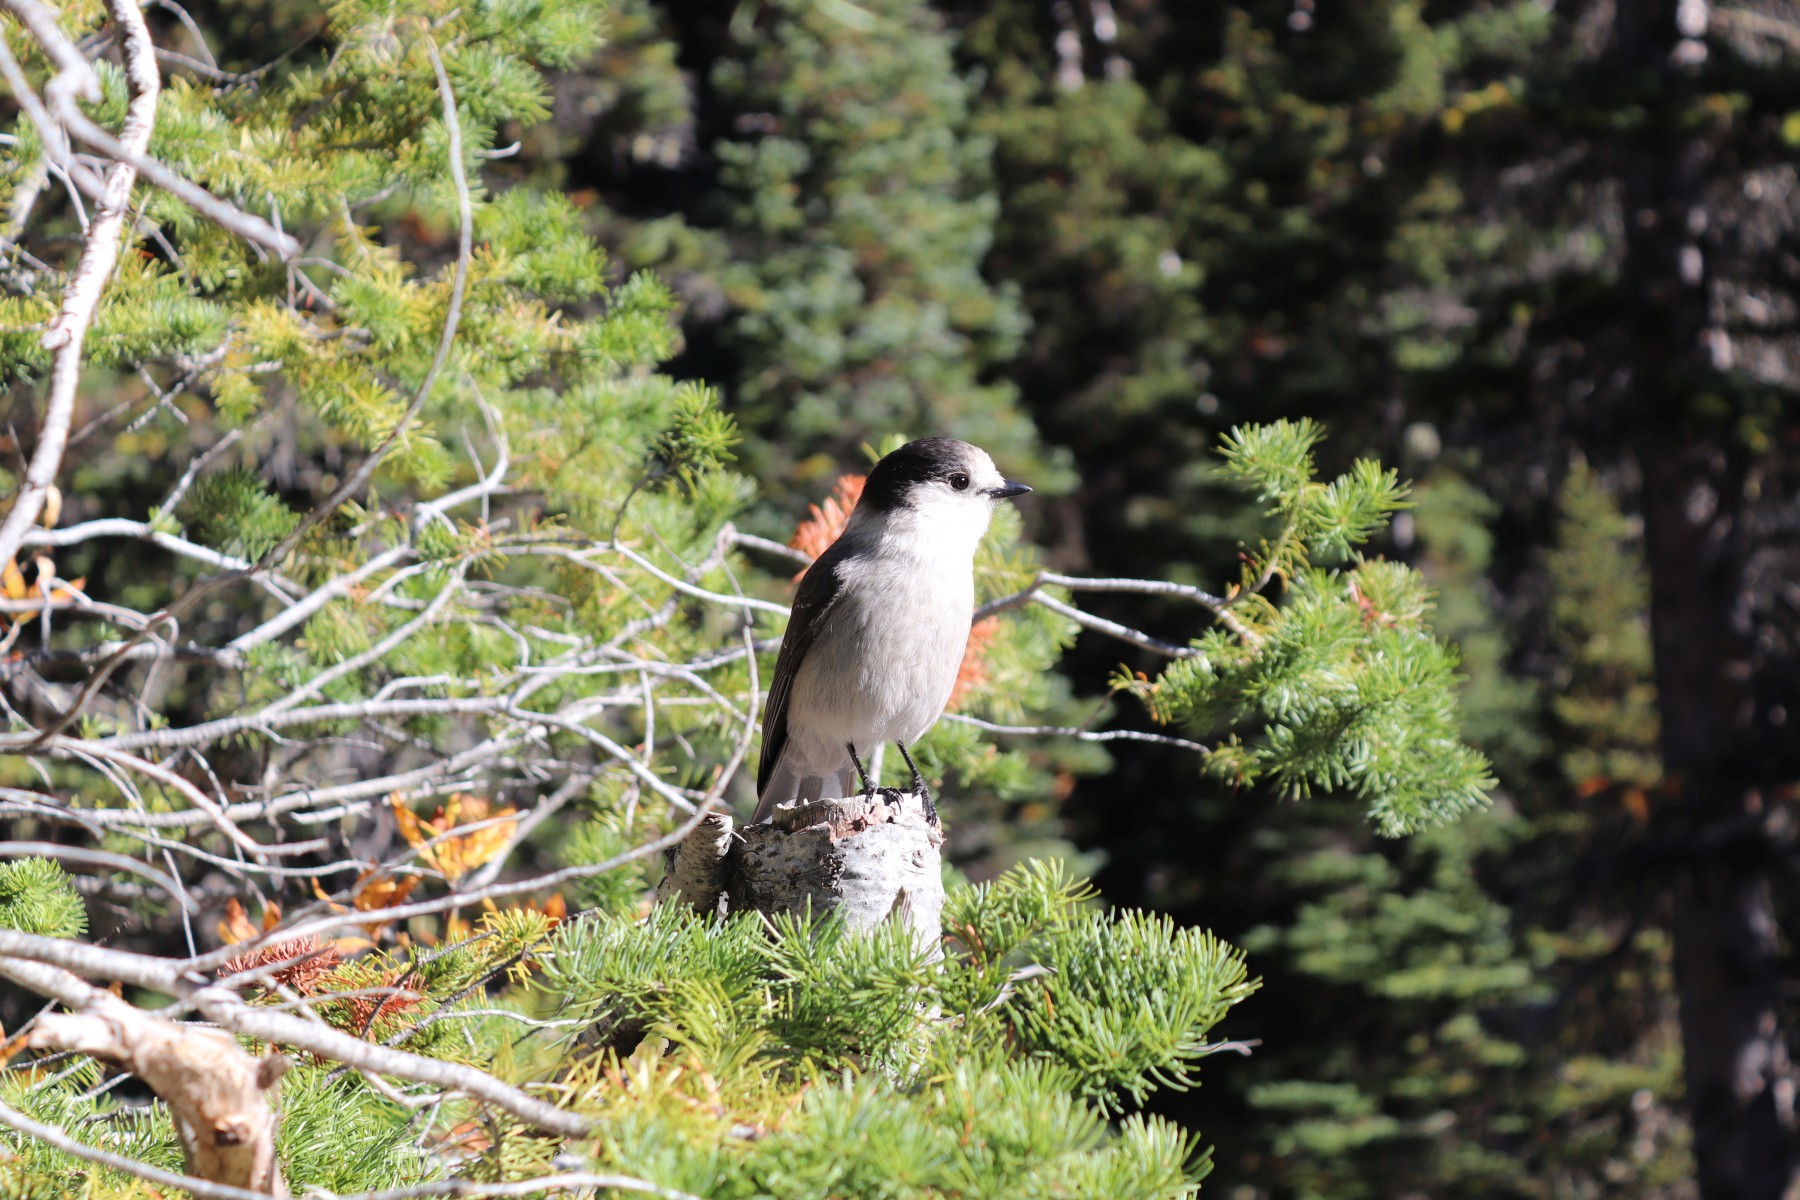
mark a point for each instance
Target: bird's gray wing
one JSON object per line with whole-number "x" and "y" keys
{"x": 819, "y": 589}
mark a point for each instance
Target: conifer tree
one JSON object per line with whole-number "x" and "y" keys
{"x": 832, "y": 260}
{"x": 1389, "y": 217}
{"x": 1495, "y": 1024}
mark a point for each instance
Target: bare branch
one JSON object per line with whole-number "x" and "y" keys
{"x": 81, "y": 748}
{"x": 1217, "y": 605}
{"x": 751, "y": 542}
{"x": 324, "y": 594}
{"x": 99, "y": 252}
{"x": 226, "y": 1009}
{"x": 1101, "y": 625}
{"x": 580, "y": 559}
{"x": 97, "y": 858}
{"x": 121, "y": 527}
{"x": 375, "y": 653}
{"x": 1079, "y": 734}
{"x": 324, "y": 926}
{"x": 215, "y": 1091}
{"x": 1144, "y": 587}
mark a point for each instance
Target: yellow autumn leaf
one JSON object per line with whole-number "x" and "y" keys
{"x": 236, "y": 926}
{"x": 376, "y": 890}
{"x": 455, "y": 855}
{"x": 14, "y": 587}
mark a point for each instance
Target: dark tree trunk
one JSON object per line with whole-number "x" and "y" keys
{"x": 1722, "y": 681}
{"x": 1722, "y": 815}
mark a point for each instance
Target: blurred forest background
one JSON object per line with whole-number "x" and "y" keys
{"x": 1542, "y": 257}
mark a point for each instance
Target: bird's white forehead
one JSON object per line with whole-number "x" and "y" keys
{"x": 981, "y": 467}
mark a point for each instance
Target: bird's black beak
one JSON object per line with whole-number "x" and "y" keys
{"x": 1008, "y": 489}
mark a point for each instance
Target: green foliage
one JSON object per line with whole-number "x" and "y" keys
{"x": 36, "y": 896}
{"x": 336, "y": 1134}
{"x": 840, "y": 252}
{"x": 1467, "y": 972}
{"x": 1347, "y": 685}
{"x": 982, "y": 1073}
{"x": 605, "y": 833}
{"x": 1274, "y": 463}
{"x": 235, "y": 511}
{"x": 32, "y": 1170}
{"x": 1069, "y": 965}
{"x": 1606, "y": 696}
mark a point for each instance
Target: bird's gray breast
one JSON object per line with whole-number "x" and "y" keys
{"x": 884, "y": 663}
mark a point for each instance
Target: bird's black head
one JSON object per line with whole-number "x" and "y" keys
{"x": 936, "y": 471}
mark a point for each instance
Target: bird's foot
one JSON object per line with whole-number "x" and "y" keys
{"x": 918, "y": 785}
{"x": 867, "y": 783}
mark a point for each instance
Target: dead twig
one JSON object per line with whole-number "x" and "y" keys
{"x": 100, "y": 246}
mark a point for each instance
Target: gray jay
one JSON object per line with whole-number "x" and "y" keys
{"x": 880, "y": 623}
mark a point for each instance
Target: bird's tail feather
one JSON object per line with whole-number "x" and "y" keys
{"x": 785, "y": 785}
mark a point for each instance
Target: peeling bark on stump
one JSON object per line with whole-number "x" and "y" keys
{"x": 868, "y": 859}
{"x": 694, "y": 869}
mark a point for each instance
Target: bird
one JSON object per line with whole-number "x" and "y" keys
{"x": 879, "y": 626}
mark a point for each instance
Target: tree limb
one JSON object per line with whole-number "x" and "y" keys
{"x": 99, "y": 254}
{"x": 215, "y": 1092}
{"x": 225, "y": 1008}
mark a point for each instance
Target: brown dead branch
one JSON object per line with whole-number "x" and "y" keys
{"x": 217, "y": 1094}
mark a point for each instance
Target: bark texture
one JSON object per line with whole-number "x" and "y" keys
{"x": 868, "y": 859}
{"x": 694, "y": 869}
{"x": 217, "y": 1094}
{"x": 1718, "y": 517}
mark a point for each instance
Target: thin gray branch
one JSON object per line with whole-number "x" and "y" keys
{"x": 122, "y": 527}
{"x": 99, "y": 251}
{"x": 98, "y": 858}
{"x": 1111, "y": 628}
{"x": 1079, "y": 734}
{"x": 751, "y": 542}
{"x": 226, "y": 1009}
{"x": 1144, "y": 587}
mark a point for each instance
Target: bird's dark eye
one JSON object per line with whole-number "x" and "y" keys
{"x": 960, "y": 482}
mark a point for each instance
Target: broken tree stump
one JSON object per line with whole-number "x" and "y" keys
{"x": 869, "y": 859}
